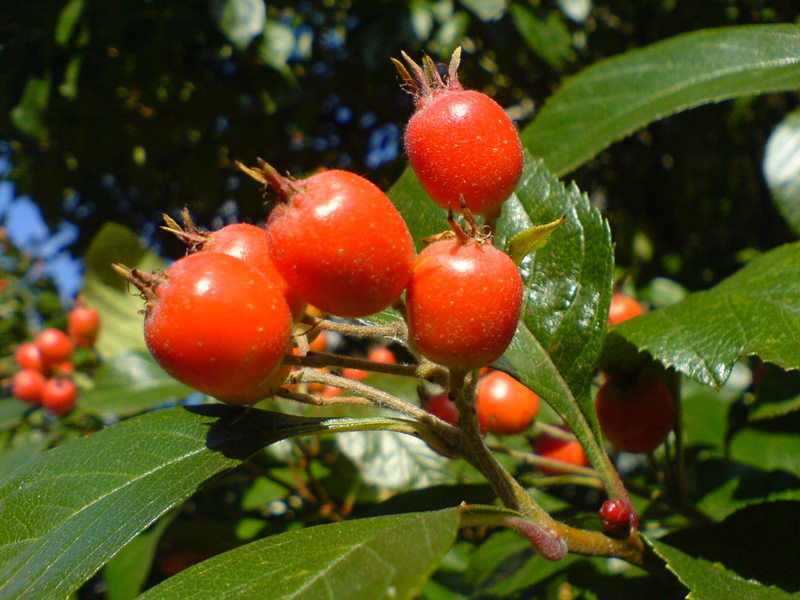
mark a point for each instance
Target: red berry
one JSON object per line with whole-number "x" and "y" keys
{"x": 462, "y": 145}
{"x": 28, "y": 356}
{"x": 623, "y": 308}
{"x": 382, "y": 355}
{"x": 59, "y": 394}
{"x": 444, "y": 408}
{"x": 54, "y": 346}
{"x": 27, "y": 385}
{"x": 338, "y": 241}
{"x": 556, "y": 448}
{"x": 249, "y": 243}
{"x": 463, "y": 303}
{"x": 504, "y": 405}
{"x": 83, "y": 325}
{"x": 357, "y": 374}
{"x": 636, "y": 416}
{"x": 615, "y": 516}
{"x": 218, "y": 325}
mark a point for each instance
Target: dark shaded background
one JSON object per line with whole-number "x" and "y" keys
{"x": 149, "y": 103}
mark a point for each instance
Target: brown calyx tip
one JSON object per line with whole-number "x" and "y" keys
{"x": 469, "y": 232}
{"x": 189, "y": 234}
{"x": 423, "y": 81}
{"x": 145, "y": 282}
{"x": 267, "y": 175}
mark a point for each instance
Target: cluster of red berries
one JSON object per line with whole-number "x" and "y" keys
{"x": 45, "y": 363}
{"x": 220, "y": 319}
{"x": 504, "y": 405}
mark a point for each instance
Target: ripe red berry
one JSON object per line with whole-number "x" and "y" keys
{"x": 463, "y": 302}
{"x": 444, "y": 408}
{"x": 623, "y": 308}
{"x": 382, "y": 355}
{"x": 249, "y": 243}
{"x": 83, "y": 325}
{"x": 27, "y": 385}
{"x": 54, "y": 345}
{"x": 28, "y": 356}
{"x": 635, "y": 415}
{"x": 217, "y": 324}
{"x": 504, "y": 405}
{"x": 460, "y": 143}
{"x": 338, "y": 241}
{"x": 615, "y": 516}
{"x": 557, "y": 448}
{"x": 59, "y": 394}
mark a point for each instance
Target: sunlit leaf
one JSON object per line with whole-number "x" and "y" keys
{"x": 240, "y": 20}
{"x": 782, "y": 168}
{"x": 615, "y": 97}
{"x": 110, "y": 294}
{"x": 755, "y": 311}
{"x": 69, "y": 510}
{"x": 365, "y": 559}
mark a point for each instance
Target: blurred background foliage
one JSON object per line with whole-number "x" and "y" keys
{"x": 124, "y": 110}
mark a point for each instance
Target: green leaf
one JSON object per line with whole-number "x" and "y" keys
{"x": 240, "y": 20}
{"x": 751, "y": 554}
{"x": 529, "y": 241}
{"x": 276, "y": 47}
{"x": 130, "y": 383}
{"x": 703, "y": 335}
{"x": 75, "y": 506}
{"x": 12, "y": 411}
{"x": 21, "y": 449}
{"x": 769, "y": 445}
{"x": 379, "y": 557}
{"x": 67, "y": 20}
{"x": 548, "y": 37}
{"x": 110, "y": 294}
{"x": 28, "y": 115}
{"x": 393, "y": 461}
{"x": 126, "y": 573}
{"x": 568, "y": 286}
{"x": 423, "y": 217}
{"x": 782, "y": 168}
{"x": 725, "y": 486}
{"x": 615, "y": 97}
{"x": 777, "y": 395}
{"x": 507, "y": 563}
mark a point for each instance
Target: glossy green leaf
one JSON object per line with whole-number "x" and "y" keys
{"x": 379, "y": 557}
{"x": 751, "y": 554}
{"x": 126, "y": 573}
{"x": 703, "y": 335}
{"x": 119, "y": 303}
{"x": 615, "y": 97}
{"x": 75, "y": 506}
{"x": 21, "y": 449}
{"x": 782, "y": 168}
{"x": 568, "y": 290}
{"x": 130, "y": 383}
